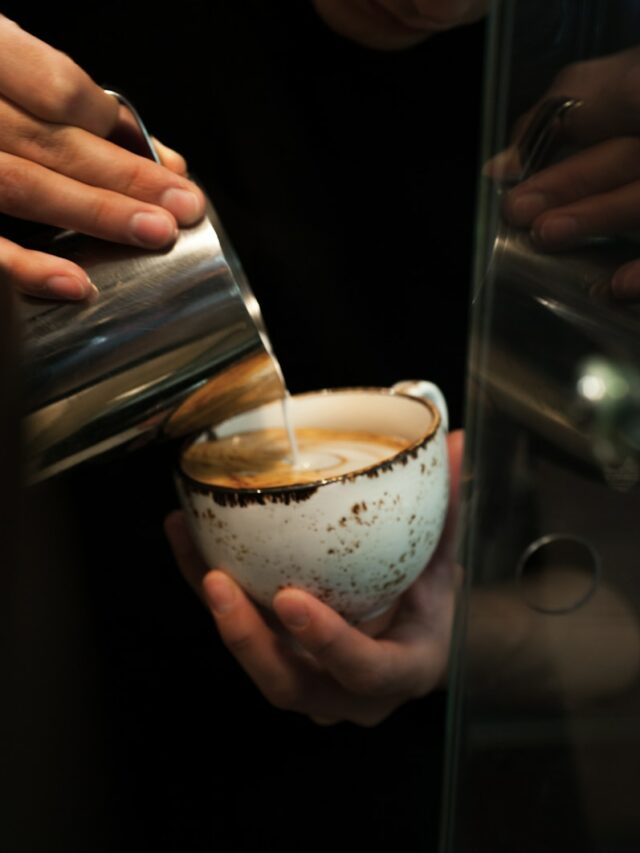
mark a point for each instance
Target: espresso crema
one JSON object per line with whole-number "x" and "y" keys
{"x": 262, "y": 459}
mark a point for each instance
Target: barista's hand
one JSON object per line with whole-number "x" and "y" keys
{"x": 58, "y": 168}
{"x": 397, "y": 24}
{"x": 323, "y": 667}
{"x": 594, "y": 192}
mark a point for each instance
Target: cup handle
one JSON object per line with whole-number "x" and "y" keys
{"x": 426, "y": 390}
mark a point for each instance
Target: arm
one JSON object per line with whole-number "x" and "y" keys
{"x": 58, "y": 168}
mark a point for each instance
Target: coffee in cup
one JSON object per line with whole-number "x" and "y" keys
{"x": 351, "y": 514}
{"x": 265, "y": 459}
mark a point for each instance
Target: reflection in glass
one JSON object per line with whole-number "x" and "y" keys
{"x": 544, "y": 721}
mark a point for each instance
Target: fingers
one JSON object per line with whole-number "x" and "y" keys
{"x": 56, "y": 169}
{"x": 447, "y": 546}
{"x": 598, "y": 169}
{"x": 286, "y": 679}
{"x": 49, "y": 85}
{"x": 171, "y": 159}
{"x": 301, "y": 677}
{"x": 591, "y": 194}
{"x": 254, "y": 645}
{"x": 601, "y": 215}
{"x": 127, "y": 134}
{"x": 504, "y": 166}
{"x": 93, "y": 161}
{"x": 625, "y": 283}
{"x": 334, "y": 671}
{"x": 45, "y": 276}
{"x": 242, "y": 629}
{"x": 29, "y": 191}
{"x": 455, "y": 449}
{"x": 361, "y": 664}
{"x": 607, "y": 90}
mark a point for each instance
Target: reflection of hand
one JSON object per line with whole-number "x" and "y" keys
{"x": 397, "y": 24}
{"x": 57, "y": 168}
{"x": 594, "y": 192}
{"x": 323, "y": 667}
{"x": 609, "y": 89}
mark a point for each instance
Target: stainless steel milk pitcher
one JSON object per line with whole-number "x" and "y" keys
{"x": 173, "y": 342}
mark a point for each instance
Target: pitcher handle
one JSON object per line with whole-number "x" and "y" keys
{"x": 147, "y": 140}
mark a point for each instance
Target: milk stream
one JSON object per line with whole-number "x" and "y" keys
{"x": 288, "y": 425}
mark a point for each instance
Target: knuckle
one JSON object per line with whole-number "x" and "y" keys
{"x": 374, "y": 678}
{"x": 42, "y": 143}
{"x": 137, "y": 178}
{"x": 105, "y": 215}
{"x": 238, "y": 645}
{"x": 323, "y": 648}
{"x": 369, "y": 681}
{"x": 63, "y": 94}
{"x": 14, "y": 185}
{"x": 327, "y": 644}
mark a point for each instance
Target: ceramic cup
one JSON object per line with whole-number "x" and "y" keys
{"x": 356, "y": 540}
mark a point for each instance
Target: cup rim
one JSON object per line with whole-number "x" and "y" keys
{"x": 300, "y": 491}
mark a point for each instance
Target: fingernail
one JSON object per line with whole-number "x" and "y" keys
{"x": 557, "y": 231}
{"x": 153, "y": 230}
{"x": 523, "y": 209}
{"x": 503, "y": 166}
{"x": 186, "y": 206}
{"x": 625, "y": 284}
{"x": 292, "y": 612}
{"x": 67, "y": 287}
{"x": 221, "y": 593}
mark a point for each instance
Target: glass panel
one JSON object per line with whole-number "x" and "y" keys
{"x": 544, "y": 714}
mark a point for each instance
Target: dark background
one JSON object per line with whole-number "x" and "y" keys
{"x": 345, "y": 179}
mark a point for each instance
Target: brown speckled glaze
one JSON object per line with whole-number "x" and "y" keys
{"x": 356, "y": 542}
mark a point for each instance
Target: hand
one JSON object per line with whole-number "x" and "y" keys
{"x": 595, "y": 191}
{"x": 58, "y": 168}
{"x": 320, "y": 665}
{"x": 397, "y": 24}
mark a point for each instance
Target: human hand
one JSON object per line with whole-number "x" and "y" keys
{"x": 397, "y": 24}
{"x": 321, "y": 666}
{"x": 593, "y": 193}
{"x": 595, "y": 190}
{"x": 58, "y": 168}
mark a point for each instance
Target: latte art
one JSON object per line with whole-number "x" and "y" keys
{"x": 262, "y": 459}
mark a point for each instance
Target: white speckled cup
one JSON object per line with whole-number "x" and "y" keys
{"x": 356, "y": 541}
